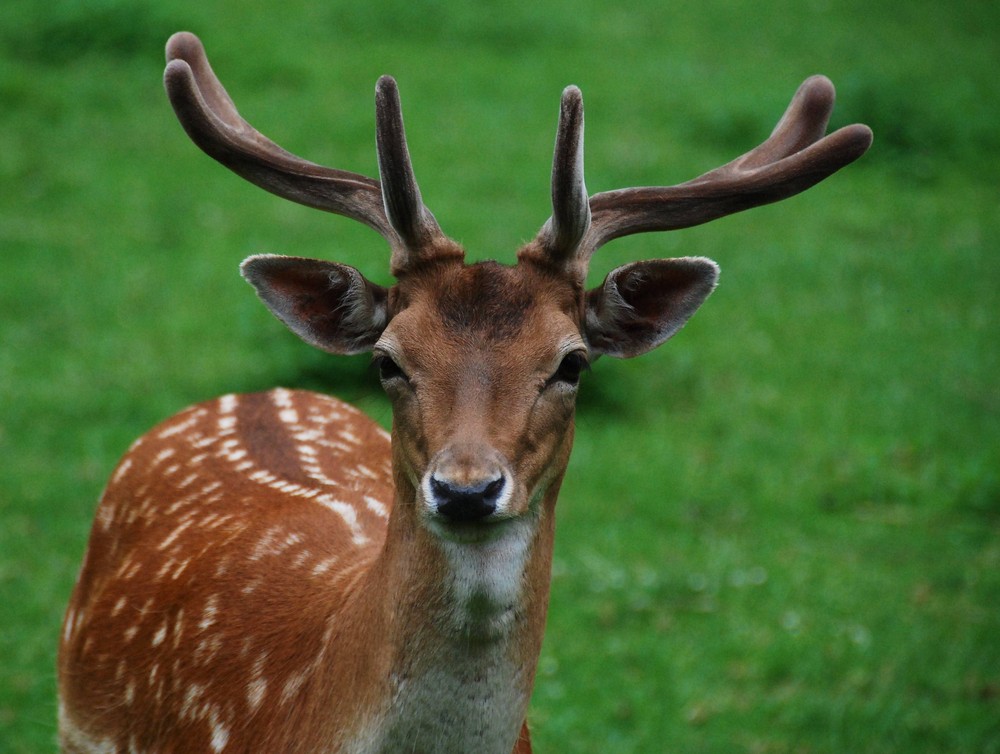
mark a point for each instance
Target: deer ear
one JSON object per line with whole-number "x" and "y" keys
{"x": 330, "y": 306}
{"x": 641, "y": 305}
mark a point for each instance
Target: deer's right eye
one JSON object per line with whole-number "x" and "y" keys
{"x": 389, "y": 370}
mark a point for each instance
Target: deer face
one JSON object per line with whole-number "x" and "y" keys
{"x": 482, "y": 364}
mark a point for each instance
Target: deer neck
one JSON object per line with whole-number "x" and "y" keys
{"x": 475, "y": 611}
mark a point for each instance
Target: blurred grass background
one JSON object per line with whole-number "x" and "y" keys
{"x": 780, "y": 533}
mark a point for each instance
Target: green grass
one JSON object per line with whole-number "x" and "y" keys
{"x": 778, "y": 534}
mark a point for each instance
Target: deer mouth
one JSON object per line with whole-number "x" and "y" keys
{"x": 480, "y": 531}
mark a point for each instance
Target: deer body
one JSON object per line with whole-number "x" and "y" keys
{"x": 234, "y": 574}
{"x": 269, "y": 572}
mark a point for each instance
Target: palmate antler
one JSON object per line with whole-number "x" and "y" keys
{"x": 795, "y": 157}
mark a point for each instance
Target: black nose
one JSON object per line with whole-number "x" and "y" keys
{"x": 466, "y": 502}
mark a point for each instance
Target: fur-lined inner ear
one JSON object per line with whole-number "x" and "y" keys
{"x": 641, "y": 305}
{"x": 330, "y": 306}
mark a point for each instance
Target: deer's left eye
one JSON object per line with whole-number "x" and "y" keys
{"x": 570, "y": 369}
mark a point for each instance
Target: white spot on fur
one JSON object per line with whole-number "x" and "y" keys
{"x": 264, "y": 477}
{"x": 315, "y": 472}
{"x": 178, "y": 627}
{"x": 191, "y": 697}
{"x": 160, "y": 635}
{"x": 209, "y": 614}
{"x": 121, "y": 471}
{"x": 348, "y": 514}
{"x": 255, "y": 693}
{"x": 180, "y": 569}
{"x": 265, "y": 544}
{"x": 162, "y": 456}
{"x": 290, "y": 488}
{"x": 70, "y": 625}
{"x": 376, "y": 507}
{"x": 105, "y": 516}
{"x": 167, "y": 565}
{"x": 181, "y": 427}
{"x": 173, "y": 535}
{"x": 188, "y": 480}
{"x": 293, "y": 684}
{"x": 220, "y": 734}
{"x": 132, "y": 569}
{"x": 323, "y": 566}
{"x": 282, "y": 397}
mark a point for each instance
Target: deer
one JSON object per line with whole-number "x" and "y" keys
{"x": 273, "y": 572}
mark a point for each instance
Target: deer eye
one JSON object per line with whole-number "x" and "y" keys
{"x": 388, "y": 369}
{"x": 569, "y": 371}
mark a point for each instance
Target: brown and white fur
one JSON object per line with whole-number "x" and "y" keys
{"x": 275, "y": 573}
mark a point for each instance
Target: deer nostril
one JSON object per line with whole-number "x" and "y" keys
{"x": 466, "y": 502}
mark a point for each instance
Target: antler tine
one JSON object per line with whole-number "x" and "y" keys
{"x": 570, "y": 219}
{"x": 795, "y": 157}
{"x": 803, "y": 123}
{"x": 211, "y": 120}
{"x": 400, "y": 194}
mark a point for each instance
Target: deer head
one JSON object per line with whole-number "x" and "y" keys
{"x": 482, "y": 362}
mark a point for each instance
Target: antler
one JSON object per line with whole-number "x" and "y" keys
{"x": 571, "y": 218}
{"x": 794, "y": 158}
{"x": 393, "y": 207}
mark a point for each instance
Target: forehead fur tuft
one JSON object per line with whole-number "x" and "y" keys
{"x": 486, "y": 299}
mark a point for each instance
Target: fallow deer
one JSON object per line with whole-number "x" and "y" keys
{"x": 273, "y": 572}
